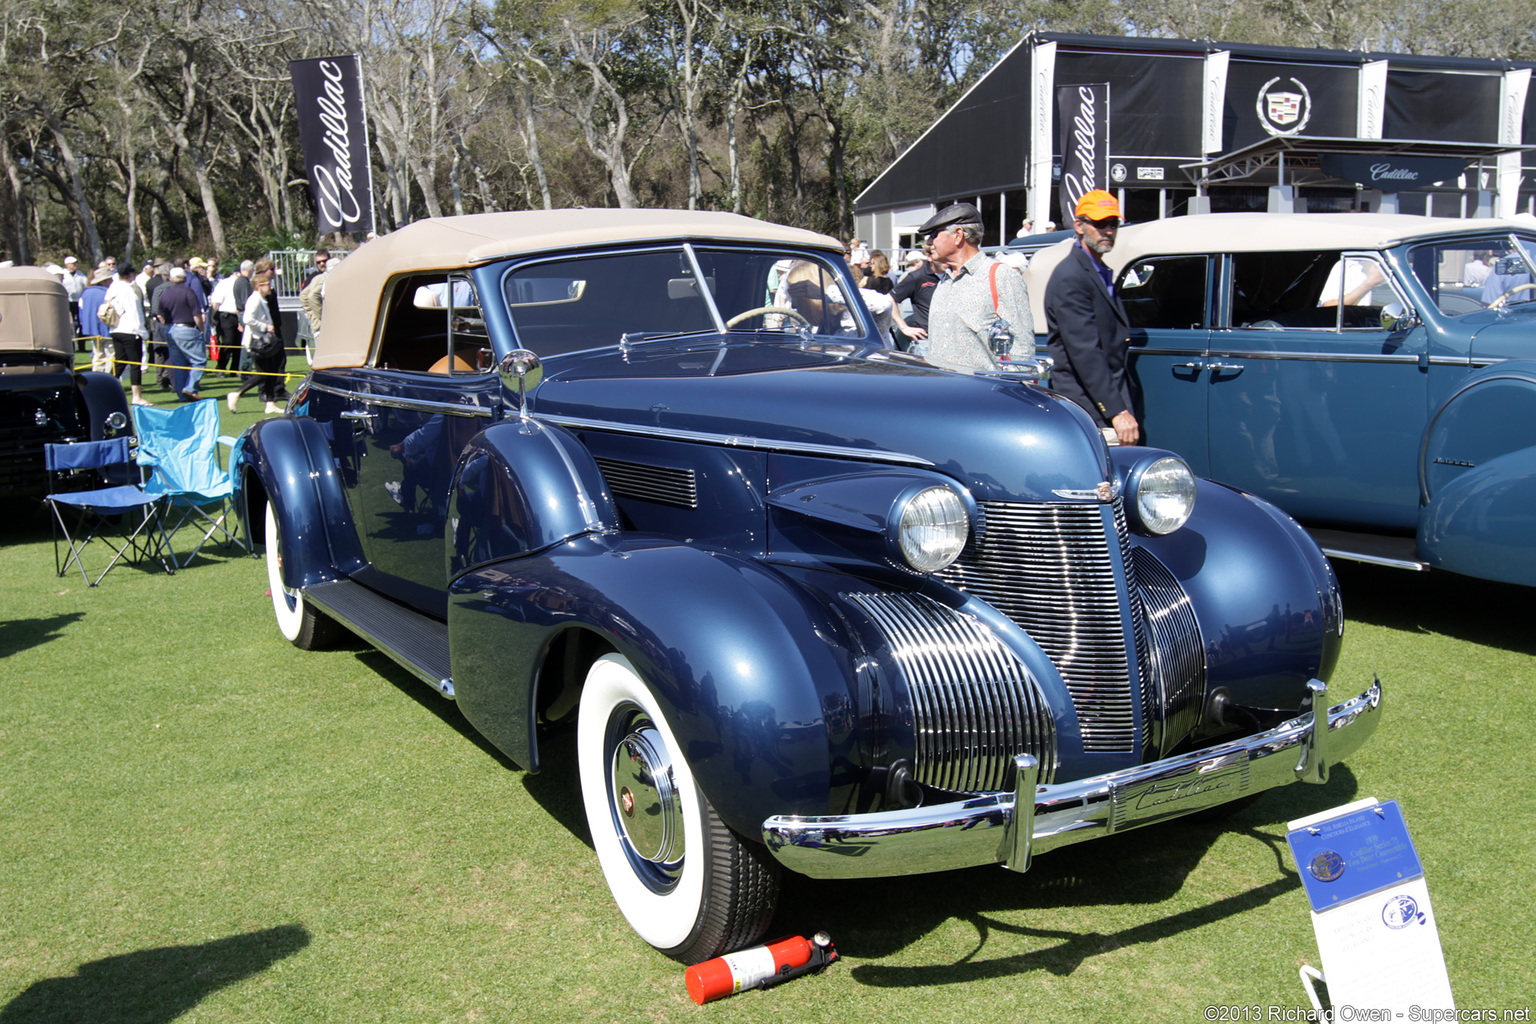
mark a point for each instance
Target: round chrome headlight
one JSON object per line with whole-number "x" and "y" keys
{"x": 932, "y": 528}
{"x": 1162, "y": 495}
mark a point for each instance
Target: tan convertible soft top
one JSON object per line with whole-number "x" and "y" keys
{"x": 1257, "y": 232}
{"x": 354, "y": 290}
{"x": 34, "y": 312}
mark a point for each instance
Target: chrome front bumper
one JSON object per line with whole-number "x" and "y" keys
{"x": 1008, "y": 828}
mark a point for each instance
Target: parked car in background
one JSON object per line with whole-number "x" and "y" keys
{"x": 1373, "y": 375}
{"x": 42, "y": 399}
{"x": 811, "y": 604}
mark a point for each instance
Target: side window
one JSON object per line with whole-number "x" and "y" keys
{"x": 1166, "y": 292}
{"x": 1465, "y": 276}
{"x": 432, "y": 324}
{"x": 1320, "y": 291}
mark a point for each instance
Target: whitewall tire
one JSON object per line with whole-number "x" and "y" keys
{"x": 684, "y": 881}
{"x": 299, "y": 623}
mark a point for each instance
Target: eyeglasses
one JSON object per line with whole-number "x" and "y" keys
{"x": 1107, "y": 224}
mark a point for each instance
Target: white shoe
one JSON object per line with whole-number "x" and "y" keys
{"x": 272, "y": 409}
{"x": 234, "y": 396}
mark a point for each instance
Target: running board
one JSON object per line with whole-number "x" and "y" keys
{"x": 418, "y": 642}
{"x": 1373, "y": 548}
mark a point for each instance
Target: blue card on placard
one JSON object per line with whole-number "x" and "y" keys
{"x": 1354, "y": 854}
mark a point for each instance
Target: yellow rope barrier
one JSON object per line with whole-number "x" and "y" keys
{"x": 207, "y": 371}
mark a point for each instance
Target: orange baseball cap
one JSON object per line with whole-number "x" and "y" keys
{"x": 1097, "y": 205}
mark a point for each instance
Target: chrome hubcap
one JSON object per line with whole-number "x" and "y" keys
{"x": 647, "y": 808}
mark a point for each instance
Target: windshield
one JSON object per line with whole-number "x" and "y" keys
{"x": 1467, "y": 275}
{"x": 575, "y": 303}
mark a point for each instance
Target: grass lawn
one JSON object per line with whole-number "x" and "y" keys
{"x": 199, "y": 822}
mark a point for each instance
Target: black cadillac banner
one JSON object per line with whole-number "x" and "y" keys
{"x": 1391, "y": 172}
{"x": 1083, "y": 113}
{"x": 328, "y": 94}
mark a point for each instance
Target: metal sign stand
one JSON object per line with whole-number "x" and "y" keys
{"x": 1375, "y": 928}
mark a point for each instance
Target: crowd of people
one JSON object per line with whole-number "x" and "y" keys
{"x": 179, "y": 319}
{"x": 970, "y": 311}
{"x": 966, "y": 311}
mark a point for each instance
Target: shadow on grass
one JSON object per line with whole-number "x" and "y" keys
{"x": 876, "y": 918}
{"x": 422, "y": 694}
{"x": 152, "y": 985}
{"x": 26, "y": 520}
{"x": 1478, "y": 611}
{"x": 556, "y": 787}
{"x": 19, "y": 635}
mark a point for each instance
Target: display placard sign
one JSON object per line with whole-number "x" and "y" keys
{"x": 1376, "y": 930}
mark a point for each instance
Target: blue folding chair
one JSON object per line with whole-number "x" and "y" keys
{"x": 180, "y": 446}
{"x": 123, "y": 516}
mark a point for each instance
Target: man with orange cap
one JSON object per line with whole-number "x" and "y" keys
{"x": 1090, "y": 335}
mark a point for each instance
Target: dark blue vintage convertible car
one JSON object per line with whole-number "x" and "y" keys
{"x": 1373, "y": 375}
{"x": 811, "y": 604}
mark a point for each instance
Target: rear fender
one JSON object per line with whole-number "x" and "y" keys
{"x": 287, "y": 461}
{"x": 1477, "y": 478}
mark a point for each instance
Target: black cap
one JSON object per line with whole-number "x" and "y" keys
{"x": 955, "y": 213}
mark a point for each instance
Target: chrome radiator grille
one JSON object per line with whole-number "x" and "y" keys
{"x": 1052, "y": 569}
{"x": 1177, "y": 662}
{"x": 975, "y": 705}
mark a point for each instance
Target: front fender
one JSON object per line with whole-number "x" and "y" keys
{"x": 287, "y": 461}
{"x": 752, "y": 672}
{"x": 523, "y": 486}
{"x": 1477, "y": 477}
{"x": 1265, "y": 597}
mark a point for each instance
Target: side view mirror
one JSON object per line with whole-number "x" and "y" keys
{"x": 521, "y": 371}
{"x": 1395, "y": 318}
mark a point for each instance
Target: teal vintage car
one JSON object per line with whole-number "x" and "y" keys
{"x": 1373, "y": 375}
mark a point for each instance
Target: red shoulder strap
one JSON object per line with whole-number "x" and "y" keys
{"x": 992, "y": 276}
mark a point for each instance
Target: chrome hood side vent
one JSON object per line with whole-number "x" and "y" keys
{"x": 664, "y": 485}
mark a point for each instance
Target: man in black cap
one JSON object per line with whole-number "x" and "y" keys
{"x": 980, "y": 311}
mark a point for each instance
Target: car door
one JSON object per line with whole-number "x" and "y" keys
{"x": 426, "y": 397}
{"x": 1313, "y": 403}
{"x": 1168, "y": 301}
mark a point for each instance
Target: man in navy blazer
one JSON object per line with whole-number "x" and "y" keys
{"x": 1090, "y": 336}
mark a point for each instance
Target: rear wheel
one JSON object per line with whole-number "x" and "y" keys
{"x": 685, "y": 882}
{"x": 297, "y": 620}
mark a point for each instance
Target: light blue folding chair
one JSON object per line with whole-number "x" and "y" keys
{"x": 180, "y": 446}
{"x": 90, "y": 500}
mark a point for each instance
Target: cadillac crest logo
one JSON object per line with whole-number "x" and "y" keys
{"x": 1284, "y": 106}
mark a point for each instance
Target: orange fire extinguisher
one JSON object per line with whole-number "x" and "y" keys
{"x": 759, "y": 967}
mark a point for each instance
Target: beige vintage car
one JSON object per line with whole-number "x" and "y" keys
{"x": 42, "y": 399}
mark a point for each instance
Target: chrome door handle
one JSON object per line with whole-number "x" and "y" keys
{"x": 1219, "y": 367}
{"x": 357, "y": 414}
{"x": 1189, "y": 366}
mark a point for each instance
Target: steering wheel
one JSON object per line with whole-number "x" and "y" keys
{"x": 782, "y": 310}
{"x": 1499, "y": 302}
